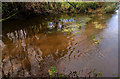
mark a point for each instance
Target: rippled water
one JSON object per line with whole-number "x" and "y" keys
{"x": 76, "y": 42}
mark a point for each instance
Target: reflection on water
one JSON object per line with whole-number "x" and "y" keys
{"x": 67, "y": 42}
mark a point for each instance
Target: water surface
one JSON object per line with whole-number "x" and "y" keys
{"x": 70, "y": 42}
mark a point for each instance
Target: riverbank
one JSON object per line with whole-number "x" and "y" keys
{"x": 46, "y": 8}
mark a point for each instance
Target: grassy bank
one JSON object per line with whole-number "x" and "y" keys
{"x": 9, "y": 8}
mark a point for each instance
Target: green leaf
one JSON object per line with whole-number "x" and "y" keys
{"x": 49, "y": 32}
{"x": 32, "y": 27}
{"x": 100, "y": 74}
{"x": 94, "y": 39}
{"x": 60, "y": 75}
{"x": 76, "y": 32}
{"x": 53, "y": 75}
{"x": 53, "y": 69}
{"x": 50, "y": 72}
{"x": 96, "y": 43}
{"x": 94, "y": 74}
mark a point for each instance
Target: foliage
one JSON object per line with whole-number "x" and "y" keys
{"x": 99, "y": 74}
{"x": 52, "y": 72}
{"x": 95, "y": 41}
{"x": 109, "y": 7}
{"x": 9, "y": 8}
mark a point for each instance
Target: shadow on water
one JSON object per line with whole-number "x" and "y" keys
{"x": 68, "y": 42}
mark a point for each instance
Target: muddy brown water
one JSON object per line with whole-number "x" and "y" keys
{"x": 67, "y": 42}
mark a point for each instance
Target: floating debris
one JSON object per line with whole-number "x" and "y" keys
{"x": 98, "y": 25}
{"x": 95, "y": 41}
